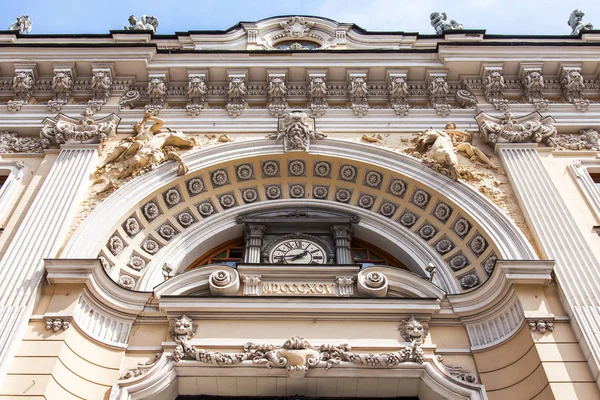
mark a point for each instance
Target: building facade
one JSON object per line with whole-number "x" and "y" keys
{"x": 299, "y": 208}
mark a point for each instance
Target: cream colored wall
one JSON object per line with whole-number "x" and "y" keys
{"x": 556, "y": 166}
{"x": 60, "y": 365}
{"x": 535, "y": 365}
{"x": 38, "y": 168}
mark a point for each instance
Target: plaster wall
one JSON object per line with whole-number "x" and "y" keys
{"x": 556, "y": 164}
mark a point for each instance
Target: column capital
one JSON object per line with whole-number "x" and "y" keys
{"x": 507, "y": 145}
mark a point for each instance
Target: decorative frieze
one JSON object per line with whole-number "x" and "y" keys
{"x": 529, "y": 128}
{"x": 23, "y": 82}
{"x": 438, "y": 93}
{"x": 588, "y": 139}
{"x": 358, "y": 91}
{"x": 196, "y": 92}
{"x": 62, "y": 87}
{"x": 11, "y": 143}
{"x": 297, "y": 355}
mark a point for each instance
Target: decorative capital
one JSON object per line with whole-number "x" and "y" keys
{"x": 63, "y": 128}
{"x": 531, "y": 128}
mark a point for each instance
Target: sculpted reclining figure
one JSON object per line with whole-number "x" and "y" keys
{"x": 149, "y": 146}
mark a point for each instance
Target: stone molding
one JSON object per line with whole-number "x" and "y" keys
{"x": 580, "y": 174}
{"x": 10, "y": 189}
{"x": 461, "y": 194}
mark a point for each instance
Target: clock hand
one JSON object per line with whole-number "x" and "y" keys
{"x": 297, "y": 256}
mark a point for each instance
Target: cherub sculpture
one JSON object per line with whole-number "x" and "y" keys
{"x": 576, "y": 22}
{"x": 22, "y": 25}
{"x": 148, "y": 147}
{"x": 440, "y": 23}
{"x": 146, "y": 23}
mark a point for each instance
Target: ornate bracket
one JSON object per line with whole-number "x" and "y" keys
{"x": 573, "y": 86}
{"x": 317, "y": 92}
{"x": 102, "y": 79}
{"x": 236, "y": 92}
{"x": 62, "y": 86}
{"x": 197, "y": 91}
{"x": 25, "y": 76}
{"x": 494, "y": 86}
{"x": 533, "y": 86}
{"x": 438, "y": 93}
{"x": 358, "y": 91}
{"x": 398, "y": 92}
{"x": 277, "y": 93}
{"x": 157, "y": 93}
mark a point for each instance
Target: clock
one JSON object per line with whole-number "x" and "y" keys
{"x": 297, "y": 251}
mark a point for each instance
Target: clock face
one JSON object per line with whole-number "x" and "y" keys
{"x": 297, "y": 251}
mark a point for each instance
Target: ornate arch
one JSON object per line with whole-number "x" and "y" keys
{"x": 418, "y": 215}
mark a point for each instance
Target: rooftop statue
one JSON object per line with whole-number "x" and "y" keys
{"x": 441, "y": 25}
{"x": 147, "y": 23}
{"x": 576, "y": 23}
{"x": 22, "y": 24}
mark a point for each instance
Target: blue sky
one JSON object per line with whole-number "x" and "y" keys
{"x": 496, "y": 16}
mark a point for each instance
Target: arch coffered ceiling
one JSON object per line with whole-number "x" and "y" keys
{"x": 416, "y": 214}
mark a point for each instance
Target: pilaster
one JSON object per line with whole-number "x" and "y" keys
{"x": 342, "y": 237}
{"x": 560, "y": 239}
{"x": 254, "y": 238}
{"x": 40, "y": 235}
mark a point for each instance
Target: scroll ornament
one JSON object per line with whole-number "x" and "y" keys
{"x": 296, "y": 129}
{"x": 529, "y": 128}
{"x": 63, "y": 128}
{"x": 297, "y": 354}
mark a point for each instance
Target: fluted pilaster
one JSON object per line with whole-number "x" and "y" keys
{"x": 39, "y": 236}
{"x": 558, "y": 236}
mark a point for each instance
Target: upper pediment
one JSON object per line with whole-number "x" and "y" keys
{"x": 289, "y": 33}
